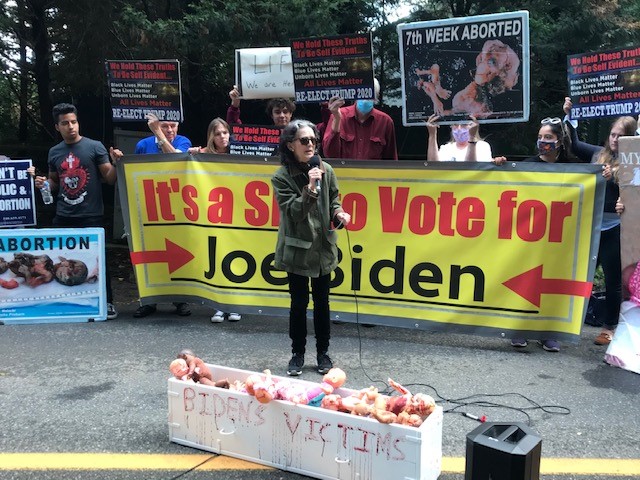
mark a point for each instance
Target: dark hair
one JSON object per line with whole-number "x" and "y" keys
{"x": 564, "y": 138}
{"x": 211, "y": 146}
{"x": 280, "y": 103}
{"x": 288, "y": 135}
{"x": 63, "y": 109}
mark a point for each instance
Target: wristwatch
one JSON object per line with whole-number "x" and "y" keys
{"x": 161, "y": 142}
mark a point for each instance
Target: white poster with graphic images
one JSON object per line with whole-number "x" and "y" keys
{"x": 52, "y": 275}
{"x": 459, "y": 67}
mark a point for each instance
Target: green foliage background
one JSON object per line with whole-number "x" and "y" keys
{"x": 55, "y": 51}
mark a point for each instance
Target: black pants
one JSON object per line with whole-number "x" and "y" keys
{"x": 299, "y": 290}
{"x": 609, "y": 258}
{"x": 79, "y": 222}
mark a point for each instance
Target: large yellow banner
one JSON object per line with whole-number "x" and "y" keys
{"x": 431, "y": 245}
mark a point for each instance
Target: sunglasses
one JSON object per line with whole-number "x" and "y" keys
{"x": 550, "y": 121}
{"x": 306, "y": 140}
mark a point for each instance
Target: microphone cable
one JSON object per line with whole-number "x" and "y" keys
{"x": 355, "y": 298}
{"x": 456, "y": 404}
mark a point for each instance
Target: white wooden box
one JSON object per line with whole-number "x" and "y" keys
{"x": 308, "y": 440}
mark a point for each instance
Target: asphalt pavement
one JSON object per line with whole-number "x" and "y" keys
{"x": 100, "y": 388}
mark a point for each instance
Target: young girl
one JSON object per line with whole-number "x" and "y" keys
{"x": 217, "y": 142}
{"x": 609, "y": 251}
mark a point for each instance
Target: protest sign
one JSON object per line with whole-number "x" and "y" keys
{"x": 17, "y": 202}
{"x": 264, "y": 72}
{"x": 457, "y": 246}
{"x": 604, "y": 84}
{"x": 326, "y": 67}
{"x": 52, "y": 275}
{"x": 466, "y": 66}
{"x": 254, "y": 140}
{"x": 145, "y": 86}
{"x": 629, "y": 181}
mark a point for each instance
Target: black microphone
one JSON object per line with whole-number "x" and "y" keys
{"x": 315, "y": 162}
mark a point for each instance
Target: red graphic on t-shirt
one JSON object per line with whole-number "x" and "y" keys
{"x": 73, "y": 177}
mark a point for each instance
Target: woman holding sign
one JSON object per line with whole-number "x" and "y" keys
{"x": 609, "y": 250}
{"x": 307, "y": 193}
{"x": 554, "y": 146}
{"x": 465, "y": 144}
{"x": 217, "y": 142}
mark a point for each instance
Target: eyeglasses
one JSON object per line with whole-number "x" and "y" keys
{"x": 306, "y": 140}
{"x": 549, "y": 120}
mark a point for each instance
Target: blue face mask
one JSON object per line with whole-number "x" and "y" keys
{"x": 364, "y": 106}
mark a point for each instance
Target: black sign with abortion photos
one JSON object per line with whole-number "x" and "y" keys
{"x": 459, "y": 67}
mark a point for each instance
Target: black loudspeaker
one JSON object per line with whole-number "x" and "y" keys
{"x": 503, "y": 451}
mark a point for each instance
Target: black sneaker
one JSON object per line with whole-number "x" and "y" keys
{"x": 144, "y": 310}
{"x": 295, "y": 365}
{"x": 183, "y": 309}
{"x": 324, "y": 363}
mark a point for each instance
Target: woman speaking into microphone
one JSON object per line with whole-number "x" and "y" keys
{"x": 307, "y": 193}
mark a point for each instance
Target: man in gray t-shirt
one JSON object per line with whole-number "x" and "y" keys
{"x": 75, "y": 167}
{"x": 78, "y": 168}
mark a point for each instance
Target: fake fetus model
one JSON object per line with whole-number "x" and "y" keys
{"x": 267, "y": 388}
{"x": 334, "y": 378}
{"x": 406, "y": 409}
{"x": 264, "y": 389}
{"x": 333, "y": 402}
{"x": 361, "y": 402}
{"x": 189, "y": 367}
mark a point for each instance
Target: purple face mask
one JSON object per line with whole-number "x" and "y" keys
{"x": 460, "y": 135}
{"x": 546, "y": 147}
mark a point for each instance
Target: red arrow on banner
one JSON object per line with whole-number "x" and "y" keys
{"x": 174, "y": 256}
{"x": 530, "y": 285}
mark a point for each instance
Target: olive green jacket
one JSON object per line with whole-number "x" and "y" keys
{"x": 306, "y": 241}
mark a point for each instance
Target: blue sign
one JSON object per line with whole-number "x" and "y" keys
{"x": 52, "y": 275}
{"x": 17, "y": 203}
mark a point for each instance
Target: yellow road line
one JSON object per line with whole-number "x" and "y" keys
{"x": 120, "y": 461}
{"x": 135, "y": 461}
{"x": 567, "y": 466}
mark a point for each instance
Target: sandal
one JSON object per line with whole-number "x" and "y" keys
{"x": 604, "y": 338}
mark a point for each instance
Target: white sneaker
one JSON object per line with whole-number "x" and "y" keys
{"x": 111, "y": 311}
{"x": 218, "y": 317}
{"x": 234, "y": 317}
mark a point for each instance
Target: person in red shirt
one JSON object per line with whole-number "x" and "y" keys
{"x": 280, "y": 110}
{"x": 360, "y": 131}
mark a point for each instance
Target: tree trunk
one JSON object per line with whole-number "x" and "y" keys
{"x": 42, "y": 61}
{"x": 24, "y": 75}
